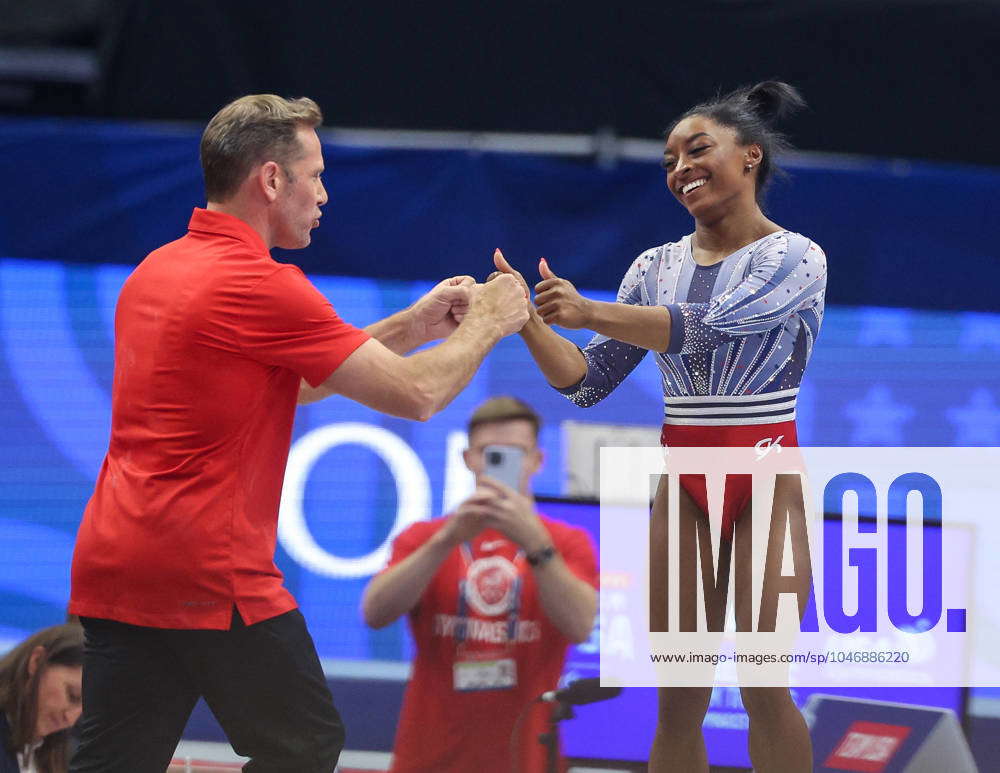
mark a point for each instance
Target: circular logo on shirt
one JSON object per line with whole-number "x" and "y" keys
{"x": 490, "y": 584}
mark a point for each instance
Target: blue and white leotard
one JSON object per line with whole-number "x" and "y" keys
{"x": 742, "y": 331}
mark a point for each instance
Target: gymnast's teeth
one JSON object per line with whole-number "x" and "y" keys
{"x": 694, "y": 184}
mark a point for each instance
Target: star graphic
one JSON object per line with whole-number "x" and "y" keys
{"x": 980, "y": 330}
{"x": 977, "y": 423}
{"x": 885, "y": 327}
{"x": 877, "y": 418}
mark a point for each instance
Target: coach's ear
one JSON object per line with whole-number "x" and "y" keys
{"x": 269, "y": 178}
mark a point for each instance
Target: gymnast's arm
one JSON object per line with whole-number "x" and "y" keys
{"x": 787, "y": 276}
{"x": 626, "y": 331}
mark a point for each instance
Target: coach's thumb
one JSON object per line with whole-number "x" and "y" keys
{"x": 501, "y": 262}
{"x": 544, "y": 271}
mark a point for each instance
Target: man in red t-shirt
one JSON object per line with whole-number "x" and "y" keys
{"x": 215, "y": 343}
{"x": 495, "y": 593}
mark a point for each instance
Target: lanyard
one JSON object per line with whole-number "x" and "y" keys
{"x": 513, "y": 613}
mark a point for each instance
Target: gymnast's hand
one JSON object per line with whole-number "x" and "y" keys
{"x": 558, "y": 301}
{"x": 440, "y": 311}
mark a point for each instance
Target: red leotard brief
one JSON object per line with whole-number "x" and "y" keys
{"x": 738, "y": 491}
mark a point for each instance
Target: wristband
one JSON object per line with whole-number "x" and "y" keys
{"x": 542, "y": 556}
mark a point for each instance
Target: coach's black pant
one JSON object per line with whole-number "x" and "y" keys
{"x": 263, "y": 682}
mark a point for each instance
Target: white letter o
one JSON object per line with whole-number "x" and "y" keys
{"x": 413, "y": 495}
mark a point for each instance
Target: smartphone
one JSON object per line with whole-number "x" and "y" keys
{"x": 503, "y": 463}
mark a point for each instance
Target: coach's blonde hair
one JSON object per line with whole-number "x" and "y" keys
{"x": 249, "y": 131}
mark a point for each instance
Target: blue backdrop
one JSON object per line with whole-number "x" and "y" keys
{"x": 878, "y": 377}
{"x": 897, "y": 233}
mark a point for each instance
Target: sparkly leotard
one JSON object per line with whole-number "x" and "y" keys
{"x": 741, "y": 334}
{"x": 742, "y": 331}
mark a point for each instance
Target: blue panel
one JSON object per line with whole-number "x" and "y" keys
{"x": 877, "y": 376}
{"x": 897, "y": 234}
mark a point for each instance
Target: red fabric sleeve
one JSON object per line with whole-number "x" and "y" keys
{"x": 578, "y": 552}
{"x": 408, "y": 541}
{"x": 287, "y": 322}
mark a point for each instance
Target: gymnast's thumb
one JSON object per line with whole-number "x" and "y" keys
{"x": 543, "y": 269}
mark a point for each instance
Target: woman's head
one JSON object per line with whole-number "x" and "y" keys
{"x": 41, "y": 691}
{"x": 724, "y": 149}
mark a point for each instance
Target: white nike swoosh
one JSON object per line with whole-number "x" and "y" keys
{"x": 493, "y": 544}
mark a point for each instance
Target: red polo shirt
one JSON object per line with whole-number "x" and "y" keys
{"x": 211, "y": 339}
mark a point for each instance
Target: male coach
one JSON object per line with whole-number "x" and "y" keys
{"x": 173, "y": 574}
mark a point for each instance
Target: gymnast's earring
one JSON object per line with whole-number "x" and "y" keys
{"x": 749, "y": 167}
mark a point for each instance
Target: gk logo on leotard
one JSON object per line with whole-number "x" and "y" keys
{"x": 763, "y": 446}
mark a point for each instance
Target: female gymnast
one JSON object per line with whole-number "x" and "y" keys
{"x": 732, "y": 312}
